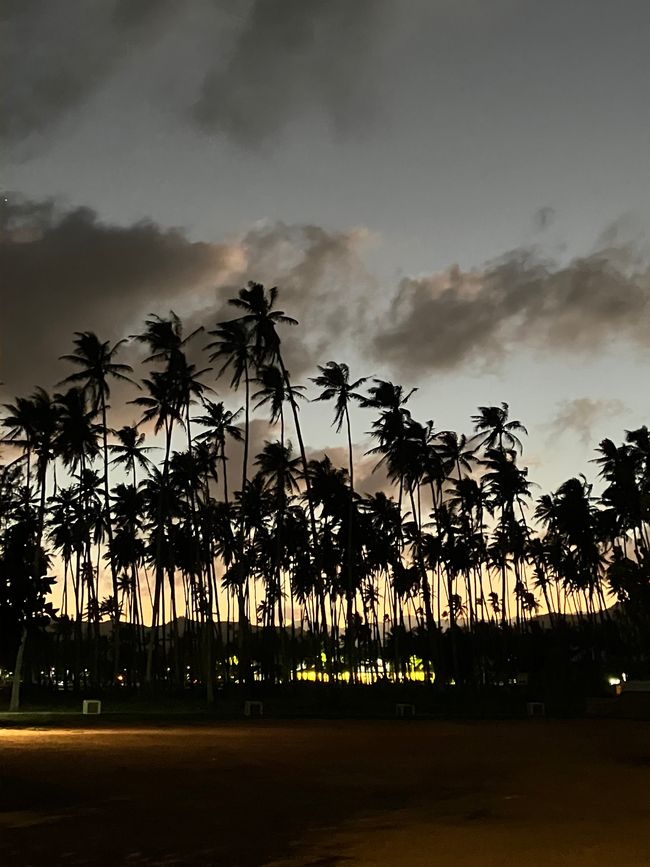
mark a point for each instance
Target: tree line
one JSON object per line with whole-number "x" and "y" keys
{"x": 280, "y": 569}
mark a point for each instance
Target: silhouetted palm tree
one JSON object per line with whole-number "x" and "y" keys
{"x": 334, "y": 380}
{"x": 220, "y": 425}
{"x": 130, "y": 451}
{"x": 409, "y": 579}
{"x": 33, "y": 423}
{"x": 97, "y": 366}
{"x": 499, "y": 432}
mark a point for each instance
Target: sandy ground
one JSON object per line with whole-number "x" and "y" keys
{"x": 329, "y": 793}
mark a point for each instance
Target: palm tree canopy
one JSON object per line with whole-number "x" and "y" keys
{"x": 234, "y": 348}
{"x": 386, "y": 395}
{"x": 96, "y": 359}
{"x": 493, "y": 421}
{"x": 78, "y": 432}
{"x": 257, "y": 304}
{"x": 275, "y": 391}
{"x": 130, "y": 449}
{"x": 163, "y": 402}
{"x": 220, "y": 423}
{"x": 164, "y": 337}
{"x": 32, "y": 421}
{"x": 334, "y": 379}
{"x": 277, "y": 468}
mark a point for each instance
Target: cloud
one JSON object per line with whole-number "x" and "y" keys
{"x": 459, "y": 317}
{"x": 323, "y": 284}
{"x": 65, "y": 270}
{"x": 55, "y": 54}
{"x": 268, "y": 63}
{"x": 581, "y": 415}
{"x": 294, "y": 57}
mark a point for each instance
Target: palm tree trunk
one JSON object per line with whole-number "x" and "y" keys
{"x": 244, "y": 633}
{"x": 351, "y": 588}
{"x": 426, "y": 590}
{"x": 14, "y": 702}
{"x": 160, "y": 567}
{"x": 109, "y": 531}
{"x": 310, "y": 504}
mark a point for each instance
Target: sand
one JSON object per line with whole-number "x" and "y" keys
{"x": 327, "y": 793}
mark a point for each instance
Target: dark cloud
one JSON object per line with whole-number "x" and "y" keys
{"x": 581, "y": 416}
{"x": 270, "y": 61}
{"x": 65, "y": 270}
{"x": 293, "y": 57}
{"x": 456, "y": 317}
{"x": 55, "y": 53}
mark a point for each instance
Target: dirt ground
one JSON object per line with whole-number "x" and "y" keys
{"x": 328, "y": 793}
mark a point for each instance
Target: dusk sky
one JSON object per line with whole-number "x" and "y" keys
{"x": 450, "y": 193}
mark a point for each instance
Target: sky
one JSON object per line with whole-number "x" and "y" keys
{"x": 449, "y": 193}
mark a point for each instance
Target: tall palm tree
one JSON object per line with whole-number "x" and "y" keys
{"x": 97, "y": 366}
{"x": 261, "y": 318}
{"x": 507, "y": 486}
{"x": 278, "y": 469}
{"x": 274, "y": 393}
{"x": 220, "y": 424}
{"x": 334, "y": 380}
{"x": 405, "y": 446}
{"x": 170, "y": 393}
{"x": 233, "y": 348}
{"x": 624, "y": 468}
{"x": 33, "y": 422}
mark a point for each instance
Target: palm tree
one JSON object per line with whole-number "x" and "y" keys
{"x": 406, "y": 449}
{"x": 570, "y": 515}
{"x": 97, "y": 366}
{"x": 233, "y": 347}
{"x": 26, "y": 587}
{"x": 457, "y": 458}
{"x": 507, "y": 486}
{"x": 624, "y": 468}
{"x": 499, "y": 432}
{"x": 274, "y": 393}
{"x": 170, "y": 393}
{"x": 33, "y": 423}
{"x": 22, "y": 430}
{"x": 278, "y": 470}
{"x": 334, "y": 380}
{"x": 262, "y": 320}
{"x": 130, "y": 451}
{"x": 164, "y": 337}
{"x": 77, "y": 445}
{"x": 220, "y": 424}
{"x": 260, "y": 317}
